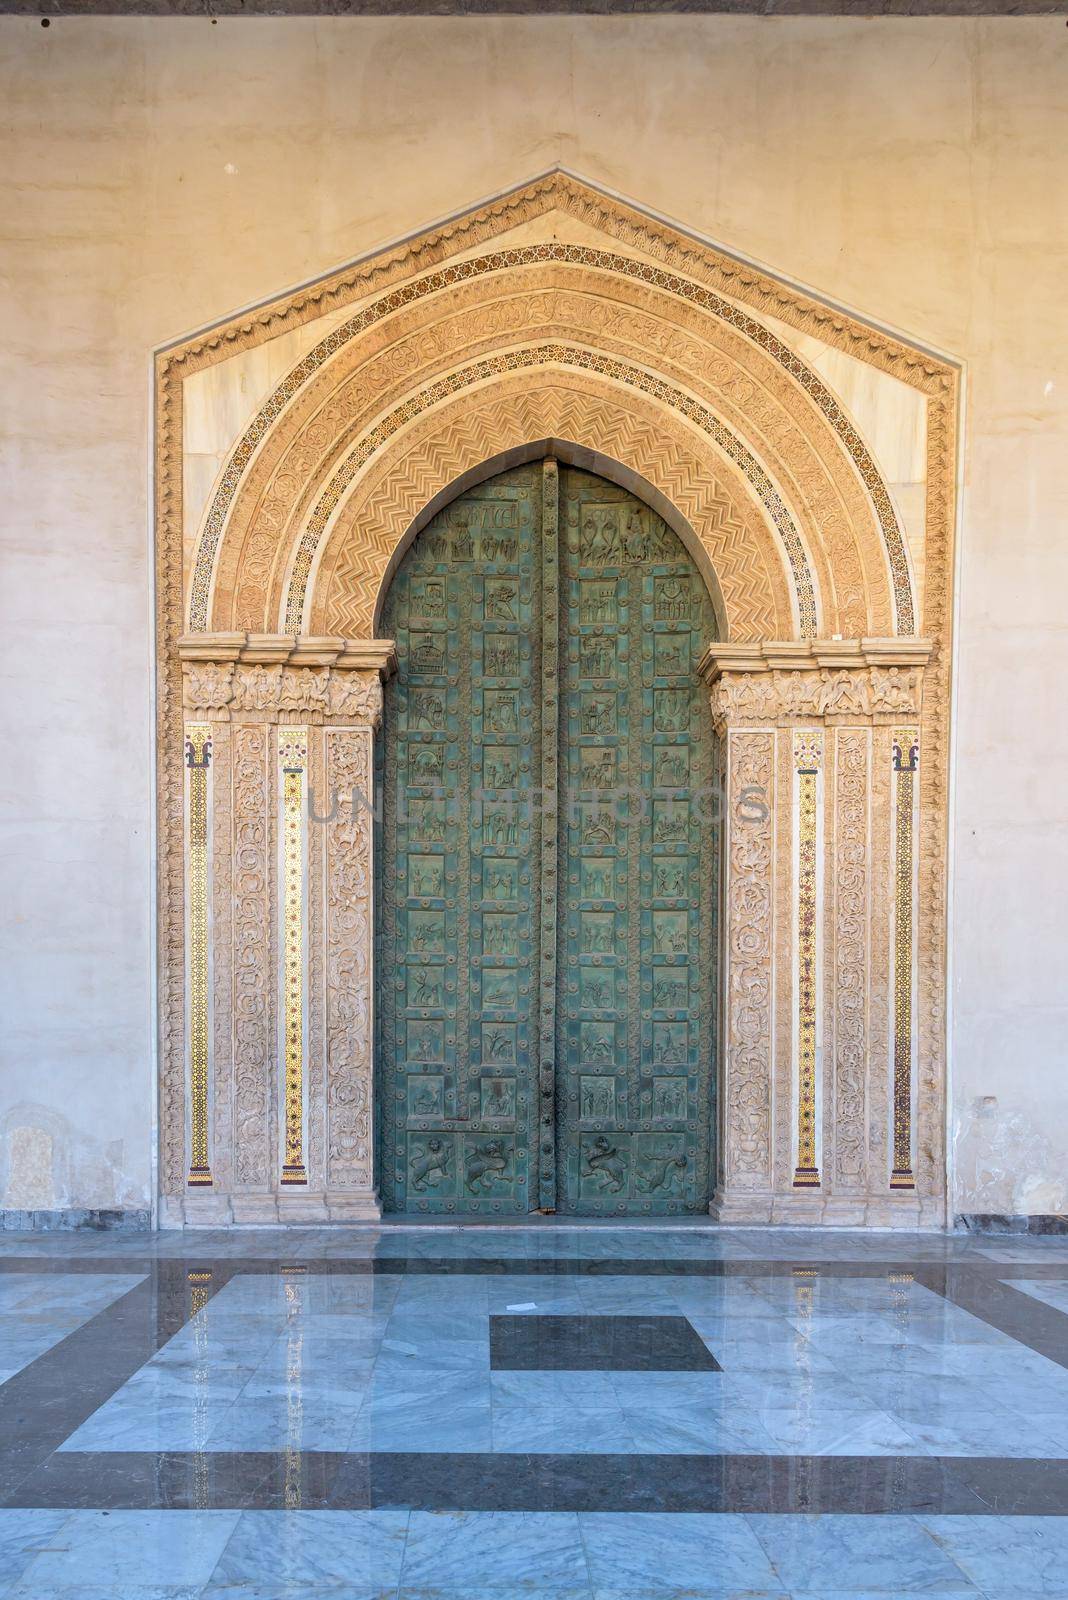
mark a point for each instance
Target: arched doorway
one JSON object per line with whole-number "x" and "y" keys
{"x": 548, "y": 870}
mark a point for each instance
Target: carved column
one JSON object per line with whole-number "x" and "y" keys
{"x": 819, "y": 1120}
{"x": 280, "y": 874}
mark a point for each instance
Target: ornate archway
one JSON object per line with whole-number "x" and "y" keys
{"x": 556, "y": 313}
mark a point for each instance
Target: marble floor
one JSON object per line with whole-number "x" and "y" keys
{"x": 553, "y": 1412}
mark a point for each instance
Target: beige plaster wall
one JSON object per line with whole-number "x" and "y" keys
{"x": 157, "y": 175}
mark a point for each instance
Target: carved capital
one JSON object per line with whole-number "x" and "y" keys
{"x": 207, "y": 686}
{"x": 282, "y": 675}
{"x": 303, "y": 689}
{"x": 859, "y": 680}
{"x": 357, "y": 696}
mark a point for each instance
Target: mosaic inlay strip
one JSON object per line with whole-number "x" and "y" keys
{"x": 906, "y": 760}
{"x": 580, "y": 255}
{"x": 293, "y": 763}
{"x": 566, "y": 356}
{"x": 808, "y": 760}
{"x": 198, "y": 762}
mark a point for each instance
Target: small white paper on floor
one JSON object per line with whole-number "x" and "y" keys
{"x": 528, "y": 1305}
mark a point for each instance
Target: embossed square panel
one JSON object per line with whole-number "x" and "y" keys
{"x": 500, "y": 988}
{"x": 597, "y": 713}
{"x": 597, "y": 1344}
{"x": 426, "y": 877}
{"x": 500, "y": 655}
{"x": 426, "y": 763}
{"x": 672, "y": 653}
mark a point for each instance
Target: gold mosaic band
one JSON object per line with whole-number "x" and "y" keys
{"x": 293, "y": 762}
{"x": 808, "y": 760}
{"x": 198, "y": 760}
{"x": 906, "y": 759}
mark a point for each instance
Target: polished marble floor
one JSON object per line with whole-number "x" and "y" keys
{"x": 574, "y": 1412}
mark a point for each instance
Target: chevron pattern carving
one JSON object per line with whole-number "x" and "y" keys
{"x": 730, "y": 529}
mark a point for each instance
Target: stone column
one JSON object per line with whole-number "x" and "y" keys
{"x": 279, "y": 1084}
{"x": 819, "y": 1120}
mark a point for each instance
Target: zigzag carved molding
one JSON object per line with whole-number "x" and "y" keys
{"x": 728, "y": 526}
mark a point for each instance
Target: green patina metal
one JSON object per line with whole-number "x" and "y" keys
{"x": 548, "y": 860}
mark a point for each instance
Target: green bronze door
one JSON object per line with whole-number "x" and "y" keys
{"x": 547, "y": 916}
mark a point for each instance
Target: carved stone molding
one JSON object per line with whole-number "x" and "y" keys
{"x": 746, "y": 1083}
{"x": 349, "y": 976}
{"x": 859, "y": 680}
{"x": 281, "y": 675}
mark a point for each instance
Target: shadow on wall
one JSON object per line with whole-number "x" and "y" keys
{"x": 46, "y": 1166}
{"x": 1005, "y": 1163}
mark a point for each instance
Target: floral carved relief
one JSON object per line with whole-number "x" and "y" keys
{"x": 748, "y": 1100}
{"x": 849, "y": 933}
{"x": 253, "y": 1047}
{"x": 349, "y": 1059}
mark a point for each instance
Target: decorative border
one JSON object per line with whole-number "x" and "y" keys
{"x": 808, "y": 763}
{"x": 349, "y": 950}
{"x": 906, "y": 760}
{"x": 198, "y": 763}
{"x": 748, "y": 928}
{"x": 581, "y": 255}
{"x": 849, "y": 969}
{"x": 292, "y": 773}
{"x": 540, "y": 356}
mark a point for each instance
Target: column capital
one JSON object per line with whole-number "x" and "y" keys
{"x": 285, "y": 675}
{"x": 771, "y": 683}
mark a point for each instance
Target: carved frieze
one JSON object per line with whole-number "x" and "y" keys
{"x": 772, "y": 684}
{"x": 341, "y": 679}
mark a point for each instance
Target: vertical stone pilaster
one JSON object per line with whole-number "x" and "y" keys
{"x": 349, "y": 964}
{"x": 807, "y": 805}
{"x": 288, "y": 947}
{"x": 293, "y": 978}
{"x": 746, "y": 1078}
{"x": 848, "y": 918}
{"x": 198, "y": 953}
{"x": 831, "y": 928}
{"x": 906, "y": 753}
{"x": 222, "y": 976}
{"x": 254, "y": 1007}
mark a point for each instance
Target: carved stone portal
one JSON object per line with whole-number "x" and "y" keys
{"x": 555, "y": 321}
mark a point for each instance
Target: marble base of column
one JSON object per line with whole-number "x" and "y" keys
{"x": 738, "y": 1207}
{"x": 354, "y": 1205}
{"x": 203, "y": 1208}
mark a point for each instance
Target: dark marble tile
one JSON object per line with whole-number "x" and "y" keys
{"x": 597, "y": 1344}
{"x": 481, "y": 1481}
{"x": 990, "y": 1222}
{"x": 1027, "y": 1488}
{"x": 175, "y": 1481}
{"x": 42, "y": 1405}
{"x": 1030, "y": 1322}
